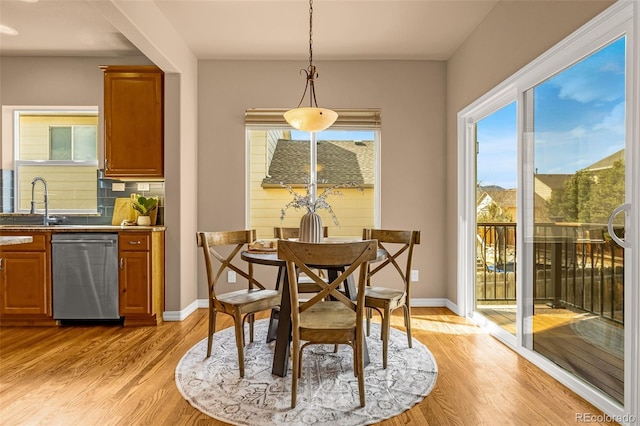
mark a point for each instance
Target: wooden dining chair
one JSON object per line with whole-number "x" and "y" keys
{"x": 385, "y": 299}
{"x": 322, "y": 321}
{"x": 240, "y": 304}
{"x": 284, "y": 233}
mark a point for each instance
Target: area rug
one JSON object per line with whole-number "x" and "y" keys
{"x": 327, "y": 390}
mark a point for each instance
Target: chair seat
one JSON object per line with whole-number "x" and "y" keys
{"x": 244, "y": 296}
{"x": 383, "y": 293}
{"x": 328, "y": 315}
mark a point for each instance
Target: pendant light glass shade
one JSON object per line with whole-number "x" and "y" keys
{"x": 311, "y": 119}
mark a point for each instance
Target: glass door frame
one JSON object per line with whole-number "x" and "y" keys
{"x": 621, "y": 19}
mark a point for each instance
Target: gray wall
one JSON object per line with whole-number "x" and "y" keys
{"x": 512, "y": 35}
{"x": 419, "y": 101}
{"x": 412, "y": 97}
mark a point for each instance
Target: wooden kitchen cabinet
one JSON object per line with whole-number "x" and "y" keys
{"x": 134, "y": 121}
{"x": 25, "y": 281}
{"x": 141, "y": 277}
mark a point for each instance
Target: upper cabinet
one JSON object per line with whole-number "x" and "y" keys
{"x": 134, "y": 121}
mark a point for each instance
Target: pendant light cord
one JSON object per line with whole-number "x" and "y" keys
{"x": 311, "y": 71}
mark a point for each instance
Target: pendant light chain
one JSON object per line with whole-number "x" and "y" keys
{"x": 310, "y": 119}
{"x": 310, "y": 33}
{"x": 311, "y": 73}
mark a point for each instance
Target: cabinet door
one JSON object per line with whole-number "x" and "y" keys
{"x": 25, "y": 284}
{"x": 134, "y": 122}
{"x": 135, "y": 283}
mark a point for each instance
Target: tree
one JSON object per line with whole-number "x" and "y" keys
{"x": 589, "y": 196}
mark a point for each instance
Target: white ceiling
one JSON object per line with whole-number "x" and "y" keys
{"x": 253, "y": 29}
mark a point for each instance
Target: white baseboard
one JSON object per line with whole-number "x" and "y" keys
{"x": 204, "y": 303}
{"x": 183, "y": 314}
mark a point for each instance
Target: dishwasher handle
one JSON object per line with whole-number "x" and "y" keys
{"x": 106, "y": 242}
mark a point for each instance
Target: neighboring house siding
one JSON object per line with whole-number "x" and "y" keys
{"x": 70, "y": 187}
{"x": 354, "y": 210}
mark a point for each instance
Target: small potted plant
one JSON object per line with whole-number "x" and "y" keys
{"x": 144, "y": 206}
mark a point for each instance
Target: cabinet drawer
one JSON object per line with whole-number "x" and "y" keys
{"x": 39, "y": 243}
{"x": 133, "y": 241}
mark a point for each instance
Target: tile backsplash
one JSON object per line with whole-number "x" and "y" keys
{"x": 106, "y": 201}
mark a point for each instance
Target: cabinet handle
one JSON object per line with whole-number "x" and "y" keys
{"x": 106, "y": 164}
{"x": 1, "y": 264}
{"x": 122, "y": 263}
{"x": 134, "y": 243}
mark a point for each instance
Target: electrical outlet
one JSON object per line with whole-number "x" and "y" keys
{"x": 143, "y": 187}
{"x": 231, "y": 277}
{"x": 415, "y": 275}
{"x": 117, "y": 186}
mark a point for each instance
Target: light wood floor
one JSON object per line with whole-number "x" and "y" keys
{"x": 125, "y": 376}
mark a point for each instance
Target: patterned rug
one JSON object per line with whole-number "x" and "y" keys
{"x": 327, "y": 390}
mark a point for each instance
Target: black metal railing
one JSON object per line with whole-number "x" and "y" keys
{"x": 576, "y": 265}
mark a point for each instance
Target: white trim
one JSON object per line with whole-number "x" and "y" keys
{"x": 632, "y": 233}
{"x": 183, "y": 314}
{"x": 204, "y": 304}
{"x": 609, "y": 25}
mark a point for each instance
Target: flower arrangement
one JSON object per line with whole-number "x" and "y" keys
{"x": 143, "y": 205}
{"x": 304, "y": 201}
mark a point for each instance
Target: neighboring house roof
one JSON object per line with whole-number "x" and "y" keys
{"x": 607, "y": 162}
{"x": 339, "y": 162}
{"x": 507, "y": 199}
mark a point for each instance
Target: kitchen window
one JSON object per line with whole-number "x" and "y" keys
{"x": 279, "y": 156}
{"x": 61, "y": 146}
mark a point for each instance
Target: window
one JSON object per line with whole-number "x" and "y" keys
{"x": 73, "y": 143}
{"x": 347, "y": 157}
{"x": 61, "y": 146}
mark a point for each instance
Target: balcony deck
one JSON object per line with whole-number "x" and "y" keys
{"x": 587, "y": 345}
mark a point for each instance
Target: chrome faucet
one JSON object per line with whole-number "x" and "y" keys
{"x": 46, "y": 199}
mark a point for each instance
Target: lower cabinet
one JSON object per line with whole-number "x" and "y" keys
{"x": 141, "y": 277}
{"x": 25, "y": 281}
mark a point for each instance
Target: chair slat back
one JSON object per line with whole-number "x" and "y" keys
{"x": 285, "y": 233}
{"x": 212, "y": 241}
{"x": 395, "y": 243}
{"x": 307, "y": 256}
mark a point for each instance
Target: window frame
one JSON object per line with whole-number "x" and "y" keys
{"x": 11, "y": 116}
{"x": 349, "y": 120}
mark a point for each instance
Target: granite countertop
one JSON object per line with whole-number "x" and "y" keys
{"x": 81, "y": 228}
{"x": 7, "y": 241}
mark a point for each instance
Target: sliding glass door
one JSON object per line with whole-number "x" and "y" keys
{"x": 496, "y": 194}
{"x": 576, "y": 121}
{"x": 548, "y": 259}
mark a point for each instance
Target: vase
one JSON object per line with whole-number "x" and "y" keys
{"x": 144, "y": 221}
{"x": 310, "y": 228}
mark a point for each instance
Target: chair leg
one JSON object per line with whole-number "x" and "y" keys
{"x": 407, "y": 322}
{"x": 356, "y": 372}
{"x": 295, "y": 361}
{"x": 386, "y": 325}
{"x": 359, "y": 366}
{"x": 368, "y": 315}
{"x": 212, "y": 330}
{"x": 237, "y": 320}
{"x": 251, "y": 321}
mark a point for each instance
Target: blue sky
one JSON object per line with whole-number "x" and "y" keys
{"x": 579, "y": 119}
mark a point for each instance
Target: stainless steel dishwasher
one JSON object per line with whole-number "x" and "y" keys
{"x": 85, "y": 276}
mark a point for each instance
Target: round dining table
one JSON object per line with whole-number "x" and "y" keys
{"x": 280, "y": 322}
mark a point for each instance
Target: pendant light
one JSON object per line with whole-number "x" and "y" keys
{"x": 311, "y": 118}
